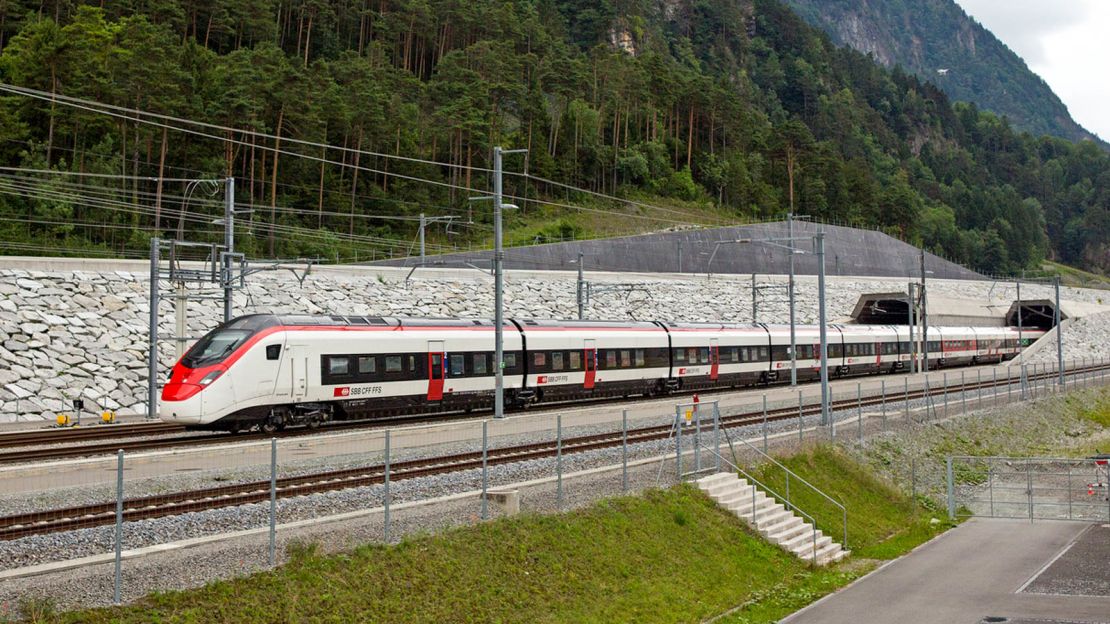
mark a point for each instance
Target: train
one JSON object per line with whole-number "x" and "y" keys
{"x": 270, "y": 371}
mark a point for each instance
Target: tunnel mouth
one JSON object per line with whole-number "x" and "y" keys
{"x": 1034, "y": 315}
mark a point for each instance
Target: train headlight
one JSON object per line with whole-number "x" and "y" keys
{"x": 210, "y": 377}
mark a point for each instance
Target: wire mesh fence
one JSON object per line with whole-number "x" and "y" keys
{"x": 381, "y": 485}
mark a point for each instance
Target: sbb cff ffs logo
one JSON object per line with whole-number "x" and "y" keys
{"x": 342, "y": 392}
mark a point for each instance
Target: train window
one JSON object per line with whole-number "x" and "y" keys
{"x": 764, "y": 354}
{"x": 539, "y": 360}
{"x": 479, "y": 364}
{"x": 745, "y": 354}
{"x": 640, "y": 357}
{"x": 367, "y": 364}
{"x": 692, "y": 355}
{"x": 456, "y": 365}
{"x": 734, "y": 354}
{"x": 610, "y": 358}
{"x": 626, "y": 359}
{"x": 703, "y": 355}
{"x": 338, "y": 365}
{"x": 680, "y": 355}
{"x": 412, "y": 363}
{"x": 273, "y": 352}
{"x": 575, "y": 361}
{"x": 510, "y": 359}
{"x": 557, "y": 361}
{"x": 392, "y": 363}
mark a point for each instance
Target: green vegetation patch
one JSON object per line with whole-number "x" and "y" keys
{"x": 667, "y": 556}
{"x": 883, "y": 521}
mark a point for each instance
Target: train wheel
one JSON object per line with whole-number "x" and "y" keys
{"x": 268, "y": 427}
{"x": 313, "y": 422}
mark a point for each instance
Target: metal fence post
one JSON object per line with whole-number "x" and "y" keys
{"x": 859, "y": 413}
{"x": 801, "y": 425}
{"x": 386, "y": 484}
{"x": 990, "y": 482}
{"x": 678, "y": 442}
{"x": 1022, "y": 381}
{"x": 559, "y": 461}
{"x": 1029, "y": 479}
{"x": 945, "y": 393}
{"x": 951, "y": 490}
{"x": 883, "y": 383}
{"x": 979, "y": 388}
{"x": 485, "y": 470}
{"x": 963, "y": 392}
{"x": 764, "y": 423}
{"x": 906, "y": 396}
{"x": 272, "y": 553}
{"x": 716, "y": 436}
{"x": 994, "y": 387}
{"x": 118, "y": 583}
{"x": 697, "y": 437}
{"x": 624, "y": 451}
{"x": 913, "y": 480}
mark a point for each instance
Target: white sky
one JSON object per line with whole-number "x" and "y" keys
{"x": 1066, "y": 42}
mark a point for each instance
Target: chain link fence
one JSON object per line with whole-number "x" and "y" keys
{"x": 342, "y": 489}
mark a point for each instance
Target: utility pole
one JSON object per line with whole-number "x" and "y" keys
{"x": 423, "y": 224}
{"x": 499, "y": 284}
{"x": 1059, "y": 336}
{"x": 790, "y": 292}
{"x": 679, "y": 256}
{"x": 825, "y": 416}
{"x": 924, "y": 317}
{"x": 152, "y": 348}
{"x": 1020, "y": 345}
{"x": 912, "y": 321}
{"x": 755, "y": 304}
{"x": 229, "y": 243}
{"x": 581, "y": 280}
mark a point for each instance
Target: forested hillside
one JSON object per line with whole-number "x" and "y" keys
{"x": 937, "y": 40}
{"x": 717, "y": 110}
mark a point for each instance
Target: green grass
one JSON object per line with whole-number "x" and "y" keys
{"x": 1072, "y": 276}
{"x": 668, "y": 556}
{"x": 883, "y": 521}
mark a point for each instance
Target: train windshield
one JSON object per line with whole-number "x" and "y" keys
{"x": 224, "y": 340}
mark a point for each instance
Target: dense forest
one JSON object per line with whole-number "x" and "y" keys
{"x": 343, "y": 119}
{"x": 927, "y": 36}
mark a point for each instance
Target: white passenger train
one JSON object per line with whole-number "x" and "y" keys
{"x": 270, "y": 371}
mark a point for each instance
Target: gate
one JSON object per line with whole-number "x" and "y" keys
{"x": 1032, "y": 488}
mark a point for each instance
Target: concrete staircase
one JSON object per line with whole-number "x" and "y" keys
{"x": 770, "y": 518}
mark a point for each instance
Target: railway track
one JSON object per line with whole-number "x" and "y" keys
{"x": 77, "y": 434}
{"x": 141, "y": 508}
{"x": 60, "y": 451}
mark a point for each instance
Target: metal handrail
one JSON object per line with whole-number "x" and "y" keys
{"x": 794, "y": 508}
{"x": 789, "y": 473}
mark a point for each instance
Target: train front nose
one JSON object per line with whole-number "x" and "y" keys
{"x": 182, "y": 400}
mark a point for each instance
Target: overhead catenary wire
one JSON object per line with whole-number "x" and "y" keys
{"x": 134, "y": 115}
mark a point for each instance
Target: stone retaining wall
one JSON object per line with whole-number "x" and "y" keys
{"x": 67, "y": 333}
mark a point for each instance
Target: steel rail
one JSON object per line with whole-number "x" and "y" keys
{"x": 85, "y": 516}
{"x": 203, "y": 439}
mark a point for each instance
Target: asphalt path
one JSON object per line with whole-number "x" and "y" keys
{"x": 982, "y": 569}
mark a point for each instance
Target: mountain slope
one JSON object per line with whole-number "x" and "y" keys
{"x": 718, "y": 110}
{"x": 929, "y": 36}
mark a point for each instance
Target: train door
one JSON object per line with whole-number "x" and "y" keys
{"x": 714, "y": 358}
{"x": 298, "y": 369}
{"x": 436, "y": 370}
{"x": 589, "y": 362}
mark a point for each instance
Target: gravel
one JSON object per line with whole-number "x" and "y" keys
{"x": 195, "y": 566}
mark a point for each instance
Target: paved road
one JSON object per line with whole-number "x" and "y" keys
{"x": 972, "y": 572}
